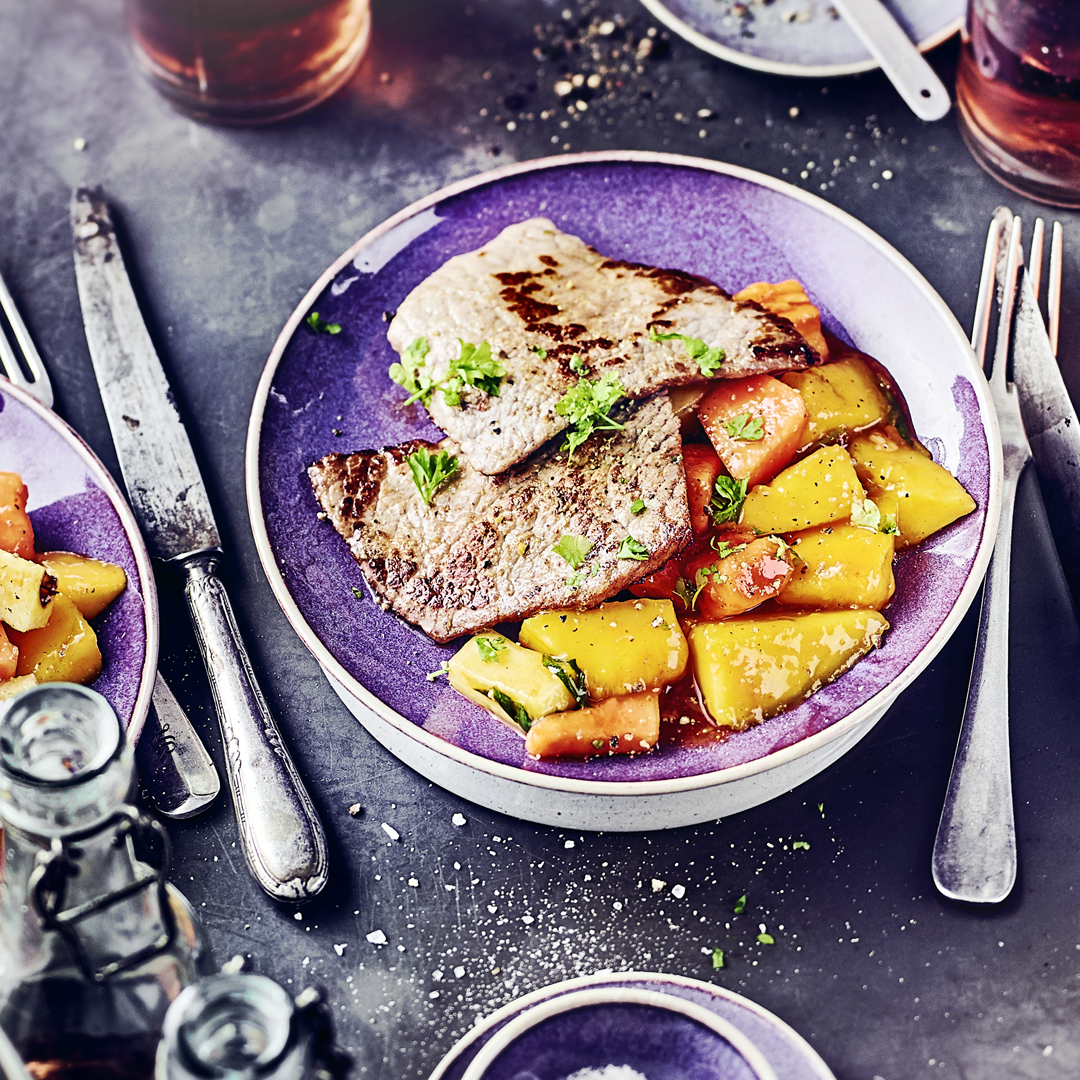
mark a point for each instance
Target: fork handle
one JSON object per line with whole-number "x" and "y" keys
{"x": 975, "y": 848}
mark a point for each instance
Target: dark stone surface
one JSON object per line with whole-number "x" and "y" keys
{"x": 226, "y": 230}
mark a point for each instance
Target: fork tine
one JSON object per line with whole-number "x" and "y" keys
{"x": 39, "y": 387}
{"x": 1035, "y": 256}
{"x": 1009, "y": 286}
{"x": 1053, "y": 299}
{"x": 981, "y": 323}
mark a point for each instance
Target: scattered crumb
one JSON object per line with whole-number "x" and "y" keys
{"x": 391, "y": 831}
{"x": 356, "y": 809}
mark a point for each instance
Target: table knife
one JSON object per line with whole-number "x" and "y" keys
{"x": 1052, "y": 430}
{"x": 280, "y": 833}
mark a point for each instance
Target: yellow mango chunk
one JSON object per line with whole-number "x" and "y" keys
{"x": 629, "y": 724}
{"x": 16, "y": 685}
{"x": 21, "y": 592}
{"x": 66, "y": 650}
{"x": 928, "y": 496}
{"x": 89, "y": 584}
{"x": 841, "y": 396}
{"x": 489, "y": 666}
{"x": 623, "y": 647}
{"x": 750, "y": 669}
{"x": 815, "y": 491}
{"x": 840, "y": 566}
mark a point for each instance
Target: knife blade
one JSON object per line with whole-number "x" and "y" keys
{"x": 1052, "y": 430}
{"x": 280, "y": 833}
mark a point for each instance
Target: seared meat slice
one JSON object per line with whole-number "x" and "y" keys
{"x": 544, "y": 300}
{"x": 481, "y": 553}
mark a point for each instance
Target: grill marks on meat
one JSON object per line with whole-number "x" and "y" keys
{"x": 536, "y": 288}
{"x": 481, "y": 553}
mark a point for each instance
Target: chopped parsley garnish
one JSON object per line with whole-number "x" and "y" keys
{"x": 766, "y": 939}
{"x": 800, "y": 845}
{"x": 539, "y": 350}
{"x": 489, "y": 648}
{"x": 443, "y": 669}
{"x": 865, "y": 514}
{"x": 821, "y": 808}
{"x": 637, "y": 506}
{"x": 724, "y": 548}
{"x": 430, "y": 471}
{"x": 474, "y": 367}
{"x": 321, "y": 326}
{"x": 718, "y": 958}
{"x": 726, "y": 502}
{"x": 740, "y": 904}
{"x": 572, "y": 549}
{"x": 578, "y": 364}
{"x": 783, "y": 548}
{"x": 586, "y": 405}
{"x": 409, "y": 374}
{"x": 633, "y": 549}
{"x": 512, "y": 709}
{"x": 598, "y": 744}
{"x": 570, "y": 675}
{"x": 708, "y": 360}
{"x": 888, "y": 525}
{"x": 358, "y": 593}
{"x": 745, "y": 428}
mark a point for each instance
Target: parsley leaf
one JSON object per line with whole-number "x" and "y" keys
{"x": 865, "y": 514}
{"x": 724, "y": 548}
{"x": 888, "y": 525}
{"x": 443, "y": 669}
{"x": 474, "y": 367}
{"x": 358, "y": 593}
{"x": 745, "y": 428}
{"x": 633, "y": 549}
{"x": 321, "y": 326}
{"x": 539, "y": 350}
{"x": 718, "y": 958}
{"x": 578, "y": 364}
{"x": 800, "y": 845}
{"x": 586, "y": 405}
{"x": 572, "y": 549}
{"x": 429, "y": 470}
{"x": 409, "y": 375}
{"x": 512, "y": 709}
{"x": 726, "y": 502}
{"x": 740, "y": 904}
{"x": 708, "y": 360}
{"x": 489, "y": 648}
{"x": 766, "y": 939}
{"x": 637, "y": 506}
{"x": 570, "y": 675}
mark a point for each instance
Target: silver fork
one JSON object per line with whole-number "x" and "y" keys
{"x": 176, "y": 769}
{"x": 975, "y": 849}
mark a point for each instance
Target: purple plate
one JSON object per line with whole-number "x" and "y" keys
{"x": 322, "y": 393}
{"x": 75, "y": 506}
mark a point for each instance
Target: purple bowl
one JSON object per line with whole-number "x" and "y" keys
{"x": 74, "y": 505}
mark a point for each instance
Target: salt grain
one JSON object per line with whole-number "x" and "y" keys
{"x": 377, "y": 937}
{"x": 459, "y": 972}
{"x": 340, "y": 949}
{"x": 413, "y": 882}
{"x": 458, "y": 819}
{"x": 678, "y": 891}
{"x": 569, "y": 844}
{"x": 391, "y": 831}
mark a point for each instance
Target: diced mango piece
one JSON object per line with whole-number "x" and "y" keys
{"x": 843, "y": 396}
{"x": 815, "y": 491}
{"x": 840, "y": 566}
{"x": 16, "y": 532}
{"x": 629, "y": 724}
{"x": 10, "y": 687}
{"x": 750, "y": 669}
{"x": 65, "y": 650}
{"x": 623, "y": 647}
{"x": 489, "y": 666}
{"x": 89, "y": 584}
{"x": 789, "y": 300}
{"x": 928, "y": 496}
{"x": 25, "y": 592}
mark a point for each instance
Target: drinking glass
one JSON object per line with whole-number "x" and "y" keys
{"x": 1018, "y": 91}
{"x": 248, "y": 61}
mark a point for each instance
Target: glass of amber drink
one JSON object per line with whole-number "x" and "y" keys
{"x": 248, "y": 61}
{"x": 1018, "y": 91}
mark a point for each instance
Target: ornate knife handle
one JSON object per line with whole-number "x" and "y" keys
{"x": 282, "y": 837}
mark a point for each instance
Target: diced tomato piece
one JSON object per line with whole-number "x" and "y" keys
{"x": 734, "y": 579}
{"x": 9, "y": 656}
{"x": 755, "y": 425}
{"x": 788, "y": 299}
{"x": 702, "y": 468}
{"x": 16, "y": 532}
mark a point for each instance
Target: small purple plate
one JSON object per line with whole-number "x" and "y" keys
{"x": 322, "y": 393}
{"x": 75, "y": 506}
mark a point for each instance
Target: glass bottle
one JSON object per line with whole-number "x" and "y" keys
{"x": 241, "y": 1026}
{"x": 94, "y": 944}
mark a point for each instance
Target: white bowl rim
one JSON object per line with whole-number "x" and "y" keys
{"x": 131, "y": 528}
{"x": 880, "y": 700}
{"x": 601, "y": 978}
{"x": 659, "y": 10}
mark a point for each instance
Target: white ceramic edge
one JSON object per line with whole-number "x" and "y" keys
{"x": 134, "y": 535}
{"x": 583, "y": 999}
{"x": 703, "y": 780}
{"x": 511, "y": 1009}
{"x": 779, "y": 67}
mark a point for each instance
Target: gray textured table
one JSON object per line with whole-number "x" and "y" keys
{"x": 227, "y": 229}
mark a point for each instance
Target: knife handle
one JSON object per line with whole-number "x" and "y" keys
{"x": 281, "y": 835}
